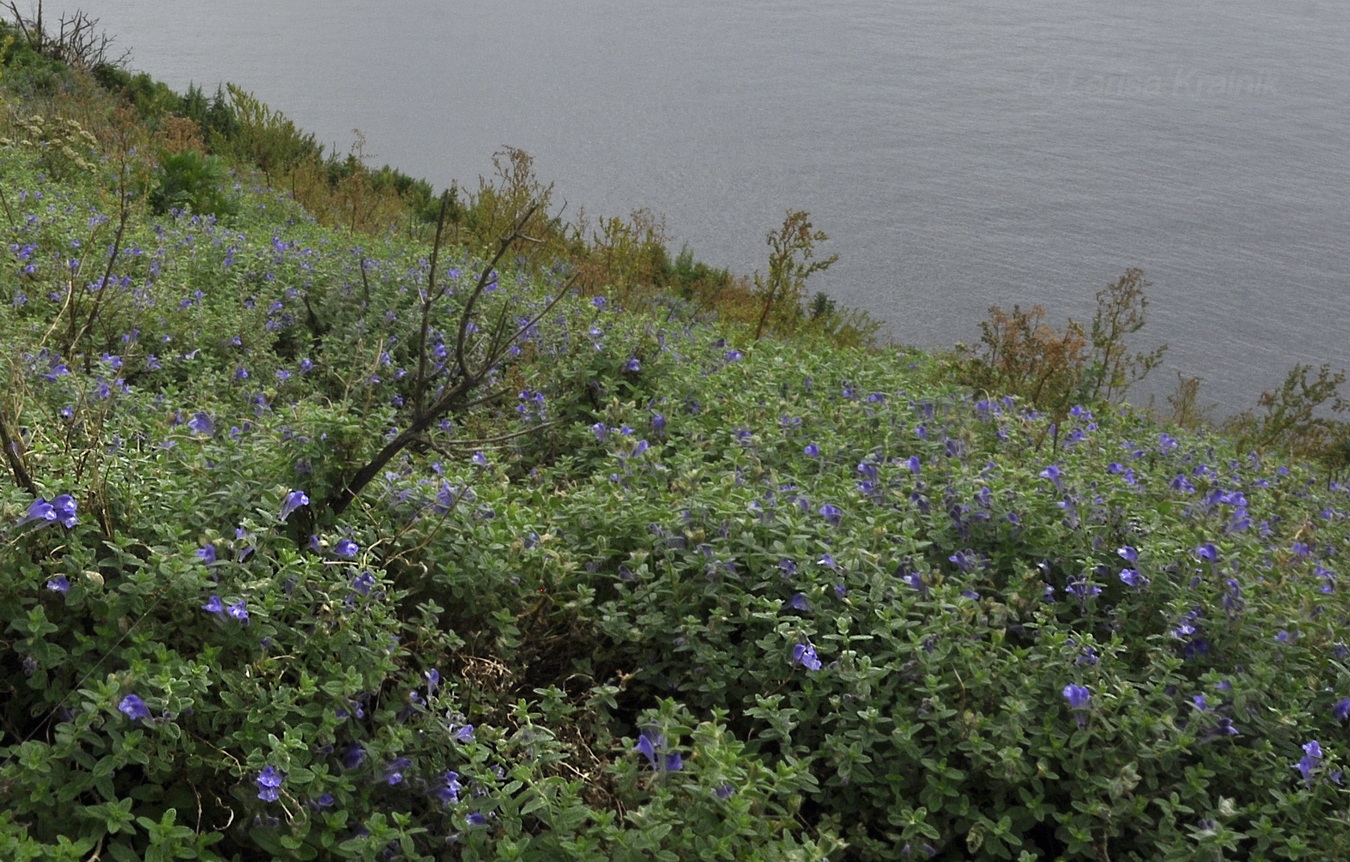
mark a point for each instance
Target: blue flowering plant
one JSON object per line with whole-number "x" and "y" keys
{"x": 323, "y": 544}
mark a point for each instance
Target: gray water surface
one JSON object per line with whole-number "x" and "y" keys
{"x": 960, "y": 154}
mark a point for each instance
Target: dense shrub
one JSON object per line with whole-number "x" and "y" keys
{"x": 316, "y": 544}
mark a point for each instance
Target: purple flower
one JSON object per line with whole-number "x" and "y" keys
{"x": 1341, "y": 710}
{"x": 1130, "y": 555}
{"x": 294, "y": 500}
{"x": 269, "y": 782}
{"x": 462, "y": 734}
{"x": 653, "y": 748}
{"x": 1208, "y": 552}
{"x": 353, "y": 756}
{"x": 476, "y": 819}
{"x": 1080, "y": 699}
{"x": 238, "y": 611}
{"x": 798, "y": 602}
{"x": 59, "y": 584}
{"x": 1132, "y": 578}
{"x": 134, "y": 708}
{"x": 449, "y": 790}
{"x": 60, "y": 510}
{"x": 347, "y": 549}
{"x": 363, "y": 583}
{"x": 214, "y": 605}
{"x": 200, "y": 423}
{"x": 1052, "y": 473}
{"x": 632, "y": 364}
{"x": 915, "y": 580}
{"x": 207, "y": 554}
{"x": 1312, "y": 758}
{"x": 832, "y": 514}
{"x": 805, "y": 655}
{"x": 1082, "y": 588}
{"x": 811, "y": 450}
{"x": 393, "y": 773}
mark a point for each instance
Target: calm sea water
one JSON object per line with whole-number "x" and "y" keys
{"x": 959, "y": 153}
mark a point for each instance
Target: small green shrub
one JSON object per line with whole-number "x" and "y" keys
{"x": 191, "y": 182}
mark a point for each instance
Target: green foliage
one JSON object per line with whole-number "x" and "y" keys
{"x": 28, "y": 73}
{"x": 792, "y": 251}
{"x": 322, "y": 544}
{"x": 1120, "y": 313}
{"x": 263, "y": 137}
{"x": 1295, "y": 418}
{"x": 1020, "y": 354}
{"x": 190, "y": 181}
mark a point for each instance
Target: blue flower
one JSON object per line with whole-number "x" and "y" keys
{"x": 60, "y": 510}
{"x": 832, "y": 514}
{"x": 200, "y": 423}
{"x": 1078, "y": 696}
{"x": 207, "y": 554}
{"x": 214, "y": 605}
{"x": 915, "y": 580}
{"x": 462, "y": 734}
{"x": 805, "y": 655}
{"x": 798, "y": 602}
{"x": 1080, "y": 701}
{"x": 269, "y": 782}
{"x": 347, "y": 549}
{"x": 811, "y": 450}
{"x": 294, "y": 500}
{"x": 353, "y": 756}
{"x": 59, "y": 584}
{"x": 476, "y": 819}
{"x": 653, "y": 748}
{"x": 1312, "y": 758}
{"x": 134, "y": 708}
{"x": 238, "y": 611}
{"x": 1132, "y": 578}
{"x": 1052, "y": 473}
{"x": 450, "y": 788}
{"x": 393, "y": 773}
{"x": 1341, "y": 710}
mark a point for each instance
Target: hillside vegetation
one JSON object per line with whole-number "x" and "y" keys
{"x": 341, "y": 519}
